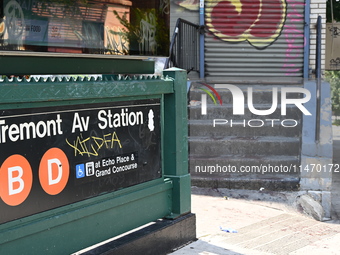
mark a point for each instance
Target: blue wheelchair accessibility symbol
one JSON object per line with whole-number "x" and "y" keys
{"x": 80, "y": 171}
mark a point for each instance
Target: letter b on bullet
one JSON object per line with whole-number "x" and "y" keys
{"x": 15, "y": 180}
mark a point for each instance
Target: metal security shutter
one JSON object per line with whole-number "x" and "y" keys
{"x": 254, "y": 40}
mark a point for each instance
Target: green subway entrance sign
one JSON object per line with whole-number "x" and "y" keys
{"x": 53, "y": 157}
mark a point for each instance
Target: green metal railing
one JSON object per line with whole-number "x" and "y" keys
{"x": 71, "y": 227}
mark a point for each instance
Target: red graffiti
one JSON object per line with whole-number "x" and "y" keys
{"x": 231, "y": 21}
{"x": 259, "y": 22}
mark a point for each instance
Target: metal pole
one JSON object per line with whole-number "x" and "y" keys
{"x": 307, "y": 42}
{"x": 202, "y": 73}
{"x": 318, "y": 77}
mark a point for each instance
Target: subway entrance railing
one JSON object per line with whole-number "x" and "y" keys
{"x": 86, "y": 159}
{"x": 185, "y": 46}
{"x": 92, "y": 143}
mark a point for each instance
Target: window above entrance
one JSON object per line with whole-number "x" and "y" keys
{"x": 105, "y": 27}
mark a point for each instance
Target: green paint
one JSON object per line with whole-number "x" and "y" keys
{"x": 176, "y": 142}
{"x": 73, "y": 227}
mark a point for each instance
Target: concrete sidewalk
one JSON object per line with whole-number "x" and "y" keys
{"x": 336, "y": 174}
{"x": 266, "y": 222}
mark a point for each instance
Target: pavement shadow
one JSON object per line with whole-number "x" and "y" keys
{"x": 336, "y": 174}
{"x": 202, "y": 247}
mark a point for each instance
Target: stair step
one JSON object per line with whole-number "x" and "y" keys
{"x": 226, "y": 112}
{"x": 220, "y": 86}
{"x": 267, "y": 148}
{"x": 206, "y": 128}
{"x": 260, "y": 95}
{"x": 234, "y": 164}
{"x": 275, "y": 183}
{"x": 245, "y": 146}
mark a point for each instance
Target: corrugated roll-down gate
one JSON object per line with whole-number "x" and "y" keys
{"x": 254, "y": 40}
{"x": 83, "y": 160}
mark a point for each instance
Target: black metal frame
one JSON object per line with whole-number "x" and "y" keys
{"x": 184, "y": 46}
{"x": 318, "y": 76}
